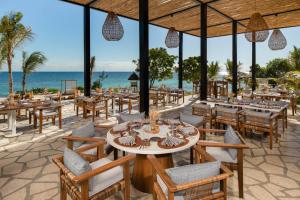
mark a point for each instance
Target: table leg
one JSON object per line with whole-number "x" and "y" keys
{"x": 142, "y": 173}
{"x": 12, "y": 125}
{"x": 59, "y": 118}
{"x": 41, "y": 121}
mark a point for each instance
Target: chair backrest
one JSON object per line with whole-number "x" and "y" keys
{"x": 258, "y": 118}
{"x": 226, "y": 112}
{"x": 202, "y": 109}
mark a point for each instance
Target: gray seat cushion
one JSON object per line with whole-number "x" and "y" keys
{"x": 192, "y": 119}
{"x": 231, "y": 137}
{"x": 87, "y": 131}
{"x": 190, "y": 173}
{"x": 220, "y": 154}
{"x": 226, "y": 112}
{"x": 124, "y": 117}
{"x": 258, "y": 117}
{"x": 76, "y": 164}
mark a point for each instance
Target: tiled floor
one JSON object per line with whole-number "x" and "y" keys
{"x": 27, "y": 171}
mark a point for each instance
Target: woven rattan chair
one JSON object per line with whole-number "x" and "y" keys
{"x": 165, "y": 188}
{"x": 175, "y": 95}
{"x": 103, "y": 174}
{"x": 261, "y": 123}
{"x": 78, "y": 103}
{"x": 206, "y": 111}
{"x": 219, "y": 150}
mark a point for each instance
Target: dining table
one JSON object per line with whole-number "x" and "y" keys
{"x": 149, "y": 141}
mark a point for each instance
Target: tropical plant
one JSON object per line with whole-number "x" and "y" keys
{"x": 294, "y": 58}
{"x": 229, "y": 67}
{"x": 30, "y": 64}
{"x": 92, "y": 67}
{"x": 161, "y": 65}
{"x": 12, "y": 35}
{"x": 98, "y": 83}
{"x": 213, "y": 69}
{"x": 191, "y": 69}
{"x": 277, "y": 68}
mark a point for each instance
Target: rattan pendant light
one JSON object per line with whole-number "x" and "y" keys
{"x": 257, "y": 28}
{"x": 172, "y": 38}
{"x": 112, "y": 29}
{"x": 277, "y": 40}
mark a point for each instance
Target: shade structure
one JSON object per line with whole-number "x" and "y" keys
{"x": 133, "y": 77}
{"x": 277, "y": 40}
{"x": 172, "y": 38}
{"x": 257, "y": 29}
{"x": 112, "y": 29}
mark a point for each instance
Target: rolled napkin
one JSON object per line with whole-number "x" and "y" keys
{"x": 127, "y": 140}
{"x": 120, "y": 127}
{"x": 187, "y": 130}
{"x": 173, "y": 121}
{"x": 172, "y": 141}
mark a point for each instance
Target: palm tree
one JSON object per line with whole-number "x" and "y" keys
{"x": 12, "y": 35}
{"x": 213, "y": 69}
{"x": 294, "y": 58}
{"x": 92, "y": 67}
{"x": 229, "y": 67}
{"x": 30, "y": 64}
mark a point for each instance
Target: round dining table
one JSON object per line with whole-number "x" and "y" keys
{"x": 151, "y": 144}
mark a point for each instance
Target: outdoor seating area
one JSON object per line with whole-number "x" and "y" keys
{"x": 202, "y": 135}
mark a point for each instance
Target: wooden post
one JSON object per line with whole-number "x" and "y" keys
{"x": 253, "y": 70}
{"x": 203, "y": 85}
{"x": 234, "y": 58}
{"x": 144, "y": 56}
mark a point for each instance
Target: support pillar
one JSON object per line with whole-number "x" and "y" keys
{"x": 87, "y": 51}
{"x": 253, "y": 70}
{"x": 144, "y": 55}
{"x": 234, "y": 59}
{"x": 180, "y": 60}
{"x": 203, "y": 79}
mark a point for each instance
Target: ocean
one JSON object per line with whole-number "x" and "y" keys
{"x": 53, "y": 80}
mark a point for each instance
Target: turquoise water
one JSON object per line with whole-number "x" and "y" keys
{"x": 53, "y": 80}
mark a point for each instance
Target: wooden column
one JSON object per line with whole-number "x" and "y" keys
{"x": 234, "y": 58}
{"x": 144, "y": 55}
{"x": 203, "y": 79}
{"x": 180, "y": 60}
{"x": 253, "y": 70}
{"x": 87, "y": 50}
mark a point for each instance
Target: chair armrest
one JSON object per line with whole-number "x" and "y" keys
{"x": 223, "y": 145}
{"x": 84, "y": 139}
{"x": 88, "y": 147}
{"x": 85, "y": 176}
{"x": 211, "y": 131}
{"x": 162, "y": 174}
{"x": 275, "y": 115}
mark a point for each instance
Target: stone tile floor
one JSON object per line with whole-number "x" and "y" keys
{"x": 27, "y": 172}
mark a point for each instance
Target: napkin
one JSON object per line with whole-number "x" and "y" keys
{"x": 172, "y": 141}
{"x": 127, "y": 140}
{"x": 187, "y": 130}
{"x": 120, "y": 127}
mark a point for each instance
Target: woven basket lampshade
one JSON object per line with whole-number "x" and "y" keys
{"x": 257, "y": 29}
{"x": 277, "y": 40}
{"x": 172, "y": 38}
{"x": 112, "y": 29}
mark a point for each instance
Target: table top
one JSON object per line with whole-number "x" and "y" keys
{"x": 27, "y": 105}
{"x": 154, "y": 147}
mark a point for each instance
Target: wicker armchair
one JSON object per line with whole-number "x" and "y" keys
{"x": 260, "y": 122}
{"x": 165, "y": 187}
{"x": 206, "y": 111}
{"x": 175, "y": 95}
{"x": 227, "y": 116}
{"x": 220, "y": 151}
{"x": 103, "y": 173}
{"x": 96, "y": 106}
{"x": 78, "y": 103}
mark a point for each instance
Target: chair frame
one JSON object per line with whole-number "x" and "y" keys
{"x": 240, "y": 155}
{"x": 90, "y": 105}
{"x": 172, "y": 187}
{"x": 206, "y": 113}
{"x": 69, "y": 183}
{"x": 227, "y": 120}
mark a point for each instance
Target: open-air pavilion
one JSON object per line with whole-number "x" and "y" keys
{"x": 224, "y": 146}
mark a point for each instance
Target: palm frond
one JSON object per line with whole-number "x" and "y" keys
{"x": 33, "y": 61}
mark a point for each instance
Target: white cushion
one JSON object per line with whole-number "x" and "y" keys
{"x": 220, "y": 154}
{"x": 231, "y": 137}
{"x": 107, "y": 178}
{"x": 124, "y": 117}
{"x": 90, "y": 151}
{"x": 46, "y": 113}
{"x": 87, "y": 131}
{"x": 191, "y": 119}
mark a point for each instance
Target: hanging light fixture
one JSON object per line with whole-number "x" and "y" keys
{"x": 277, "y": 40}
{"x": 112, "y": 29}
{"x": 257, "y": 28}
{"x": 172, "y": 38}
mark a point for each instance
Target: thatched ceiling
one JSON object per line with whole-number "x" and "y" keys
{"x": 184, "y": 15}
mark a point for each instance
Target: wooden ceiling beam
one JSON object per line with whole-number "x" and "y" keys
{"x": 91, "y": 2}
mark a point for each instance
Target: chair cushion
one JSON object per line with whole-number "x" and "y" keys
{"x": 90, "y": 151}
{"x": 192, "y": 119}
{"x": 87, "y": 131}
{"x": 46, "y": 113}
{"x": 231, "y": 137}
{"x": 190, "y": 173}
{"x": 76, "y": 164}
{"x": 226, "y": 112}
{"x": 220, "y": 154}
{"x": 258, "y": 117}
{"x": 107, "y": 178}
{"x": 124, "y": 117}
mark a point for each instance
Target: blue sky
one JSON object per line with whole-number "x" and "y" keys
{"x": 59, "y": 35}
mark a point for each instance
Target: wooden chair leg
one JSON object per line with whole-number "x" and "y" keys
{"x": 63, "y": 192}
{"x": 53, "y": 120}
{"x": 240, "y": 174}
{"x": 126, "y": 174}
{"x": 271, "y": 138}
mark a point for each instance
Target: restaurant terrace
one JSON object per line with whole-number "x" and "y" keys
{"x": 219, "y": 141}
